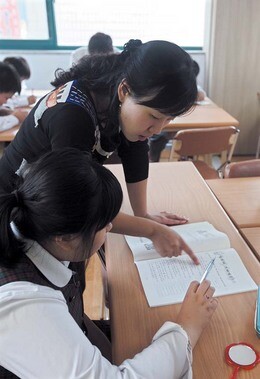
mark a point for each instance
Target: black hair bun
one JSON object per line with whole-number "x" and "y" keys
{"x": 131, "y": 46}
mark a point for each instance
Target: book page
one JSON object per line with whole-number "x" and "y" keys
{"x": 166, "y": 280}
{"x": 200, "y": 236}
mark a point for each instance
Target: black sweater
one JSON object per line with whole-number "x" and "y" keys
{"x": 69, "y": 125}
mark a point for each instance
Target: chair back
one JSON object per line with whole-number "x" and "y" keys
{"x": 203, "y": 141}
{"x": 200, "y": 144}
{"x": 243, "y": 169}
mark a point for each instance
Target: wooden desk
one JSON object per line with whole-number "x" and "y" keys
{"x": 178, "y": 187}
{"x": 240, "y": 198}
{"x": 8, "y": 135}
{"x": 252, "y": 236}
{"x": 203, "y": 116}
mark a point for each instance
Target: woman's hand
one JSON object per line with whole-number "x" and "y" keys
{"x": 166, "y": 218}
{"x": 167, "y": 242}
{"x": 170, "y": 244}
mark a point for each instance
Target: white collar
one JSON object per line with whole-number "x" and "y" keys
{"x": 55, "y": 271}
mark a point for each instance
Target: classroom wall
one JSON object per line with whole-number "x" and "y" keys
{"x": 234, "y": 74}
{"x": 44, "y": 63}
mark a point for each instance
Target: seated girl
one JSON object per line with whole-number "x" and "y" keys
{"x": 57, "y": 217}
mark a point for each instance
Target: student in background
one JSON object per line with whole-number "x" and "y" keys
{"x": 22, "y": 67}
{"x": 114, "y": 102}
{"x": 159, "y": 141}
{"x": 99, "y": 43}
{"x": 60, "y": 213}
{"x": 9, "y": 84}
{"x": 201, "y": 93}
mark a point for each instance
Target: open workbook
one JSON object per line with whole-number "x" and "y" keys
{"x": 166, "y": 280}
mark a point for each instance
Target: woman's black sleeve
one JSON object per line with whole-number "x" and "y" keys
{"x": 71, "y": 126}
{"x": 135, "y": 160}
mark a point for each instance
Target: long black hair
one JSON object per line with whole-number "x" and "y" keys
{"x": 63, "y": 193}
{"x": 159, "y": 74}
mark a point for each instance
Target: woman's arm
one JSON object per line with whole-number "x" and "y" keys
{"x": 134, "y": 156}
{"x": 167, "y": 242}
{"x": 137, "y": 193}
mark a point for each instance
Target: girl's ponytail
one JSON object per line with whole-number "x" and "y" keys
{"x": 10, "y": 247}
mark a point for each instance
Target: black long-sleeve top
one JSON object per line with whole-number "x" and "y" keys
{"x": 72, "y": 122}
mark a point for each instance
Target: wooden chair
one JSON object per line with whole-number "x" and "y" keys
{"x": 198, "y": 145}
{"x": 95, "y": 295}
{"x": 243, "y": 169}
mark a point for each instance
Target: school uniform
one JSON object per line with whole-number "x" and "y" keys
{"x": 42, "y": 329}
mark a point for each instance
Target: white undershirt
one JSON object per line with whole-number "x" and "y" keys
{"x": 41, "y": 340}
{"x": 17, "y": 101}
{"x": 8, "y": 122}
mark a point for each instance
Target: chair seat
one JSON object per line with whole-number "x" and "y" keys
{"x": 205, "y": 170}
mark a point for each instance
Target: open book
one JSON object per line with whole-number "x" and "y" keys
{"x": 166, "y": 280}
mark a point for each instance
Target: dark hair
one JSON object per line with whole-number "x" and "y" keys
{"x": 64, "y": 192}
{"x": 159, "y": 74}
{"x": 196, "y": 68}
{"x": 9, "y": 79}
{"x": 100, "y": 43}
{"x": 21, "y": 66}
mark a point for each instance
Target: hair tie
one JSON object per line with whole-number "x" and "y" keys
{"x": 17, "y": 197}
{"x": 130, "y": 47}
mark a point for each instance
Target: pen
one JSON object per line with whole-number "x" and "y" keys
{"x": 209, "y": 267}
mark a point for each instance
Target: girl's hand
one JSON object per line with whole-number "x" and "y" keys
{"x": 197, "y": 309}
{"x": 170, "y": 244}
{"x": 20, "y": 114}
{"x": 166, "y": 218}
{"x": 31, "y": 99}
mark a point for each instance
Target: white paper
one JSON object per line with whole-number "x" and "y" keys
{"x": 200, "y": 236}
{"x": 166, "y": 280}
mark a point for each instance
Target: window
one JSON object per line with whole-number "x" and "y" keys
{"x": 57, "y": 24}
{"x": 20, "y": 20}
{"x": 26, "y": 24}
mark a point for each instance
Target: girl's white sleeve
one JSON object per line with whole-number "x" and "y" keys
{"x": 40, "y": 339}
{"x": 17, "y": 101}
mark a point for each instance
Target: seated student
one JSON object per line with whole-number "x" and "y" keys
{"x": 159, "y": 141}
{"x": 9, "y": 84}
{"x": 60, "y": 213}
{"x": 99, "y": 43}
{"x": 22, "y": 67}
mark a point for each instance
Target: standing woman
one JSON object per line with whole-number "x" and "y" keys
{"x": 111, "y": 102}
